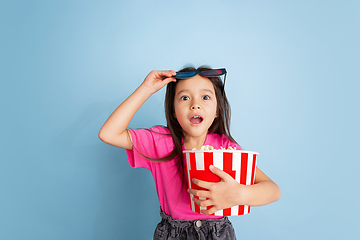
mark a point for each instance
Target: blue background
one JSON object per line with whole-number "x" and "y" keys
{"x": 293, "y": 83}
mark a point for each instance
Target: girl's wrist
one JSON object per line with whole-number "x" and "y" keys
{"x": 243, "y": 194}
{"x": 145, "y": 90}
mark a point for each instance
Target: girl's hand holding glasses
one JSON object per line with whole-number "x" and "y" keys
{"x": 156, "y": 80}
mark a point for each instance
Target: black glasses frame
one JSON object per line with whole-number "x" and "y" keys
{"x": 204, "y": 73}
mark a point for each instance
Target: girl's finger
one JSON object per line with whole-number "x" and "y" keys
{"x": 199, "y": 193}
{"x": 201, "y": 183}
{"x": 210, "y": 211}
{"x": 202, "y": 203}
{"x": 165, "y": 81}
{"x": 168, "y": 73}
{"x": 169, "y": 79}
{"x": 223, "y": 175}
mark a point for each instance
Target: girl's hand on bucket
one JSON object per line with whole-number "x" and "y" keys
{"x": 224, "y": 194}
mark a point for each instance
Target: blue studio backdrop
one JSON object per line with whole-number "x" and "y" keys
{"x": 293, "y": 83}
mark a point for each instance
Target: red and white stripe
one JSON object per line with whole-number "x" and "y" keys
{"x": 241, "y": 165}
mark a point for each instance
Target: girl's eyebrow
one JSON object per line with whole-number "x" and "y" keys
{"x": 187, "y": 90}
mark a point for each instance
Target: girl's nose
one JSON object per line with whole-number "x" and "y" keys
{"x": 195, "y": 106}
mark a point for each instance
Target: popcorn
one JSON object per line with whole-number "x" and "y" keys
{"x": 239, "y": 164}
{"x": 208, "y": 147}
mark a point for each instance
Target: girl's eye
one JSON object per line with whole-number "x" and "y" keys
{"x": 184, "y": 98}
{"x": 206, "y": 97}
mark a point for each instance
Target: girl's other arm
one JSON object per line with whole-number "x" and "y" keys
{"x": 114, "y": 130}
{"x": 264, "y": 190}
{"x": 228, "y": 192}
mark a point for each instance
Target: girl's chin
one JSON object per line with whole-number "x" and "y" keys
{"x": 195, "y": 133}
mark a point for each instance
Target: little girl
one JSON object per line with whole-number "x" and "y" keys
{"x": 197, "y": 114}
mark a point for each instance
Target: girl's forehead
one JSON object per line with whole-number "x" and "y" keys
{"x": 194, "y": 84}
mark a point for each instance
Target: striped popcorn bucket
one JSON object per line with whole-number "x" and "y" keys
{"x": 239, "y": 164}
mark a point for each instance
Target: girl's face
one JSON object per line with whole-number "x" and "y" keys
{"x": 195, "y": 106}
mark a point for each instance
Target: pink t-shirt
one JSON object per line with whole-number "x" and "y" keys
{"x": 156, "y": 143}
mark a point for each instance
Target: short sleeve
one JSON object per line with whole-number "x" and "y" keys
{"x": 148, "y": 145}
{"x": 232, "y": 144}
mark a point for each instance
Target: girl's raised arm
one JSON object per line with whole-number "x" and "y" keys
{"x": 114, "y": 130}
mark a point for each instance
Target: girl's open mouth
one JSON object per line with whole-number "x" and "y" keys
{"x": 196, "y": 119}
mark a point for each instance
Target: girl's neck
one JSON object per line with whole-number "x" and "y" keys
{"x": 194, "y": 142}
